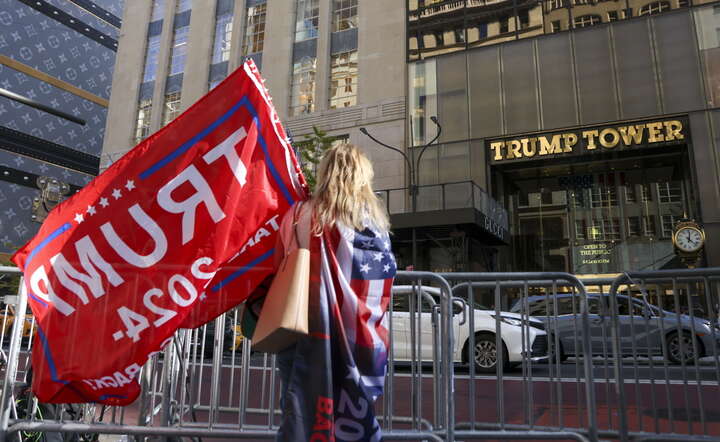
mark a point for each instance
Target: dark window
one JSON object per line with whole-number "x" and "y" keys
{"x": 504, "y": 24}
{"x": 524, "y": 18}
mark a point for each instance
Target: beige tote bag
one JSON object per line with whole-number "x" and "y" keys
{"x": 284, "y": 315}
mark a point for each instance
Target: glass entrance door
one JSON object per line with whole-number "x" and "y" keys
{"x": 598, "y": 217}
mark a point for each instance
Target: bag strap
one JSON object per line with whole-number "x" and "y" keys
{"x": 298, "y": 209}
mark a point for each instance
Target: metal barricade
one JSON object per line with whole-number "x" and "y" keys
{"x": 568, "y": 364}
{"x": 506, "y": 345}
{"x": 666, "y": 354}
{"x": 201, "y": 387}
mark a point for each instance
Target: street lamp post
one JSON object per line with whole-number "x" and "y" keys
{"x": 413, "y": 169}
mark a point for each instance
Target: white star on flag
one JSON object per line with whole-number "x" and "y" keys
{"x": 116, "y": 194}
{"x": 91, "y": 210}
{"x": 367, "y": 244}
{"x": 386, "y": 268}
{"x": 378, "y": 256}
{"x": 104, "y": 202}
{"x": 79, "y": 218}
{"x": 130, "y": 185}
{"x": 387, "y": 244}
{"x": 365, "y": 268}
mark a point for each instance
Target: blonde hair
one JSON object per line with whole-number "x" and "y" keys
{"x": 344, "y": 191}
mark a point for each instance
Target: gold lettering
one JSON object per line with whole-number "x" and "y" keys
{"x": 513, "y": 149}
{"x": 497, "y": 147}
{"x": 529, "y": 146}
{"x": 615, "y": 138}
{"x": 632, "y": 134}
{"x": 551, "y": 147}
{"x": 590, "y": 136}
{"x": 673, "y": 130}
{"x": 570, "y": 141}
{"x": 654, "y": 134}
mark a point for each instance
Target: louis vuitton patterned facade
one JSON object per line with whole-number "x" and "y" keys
{"x": 61, "y": 55}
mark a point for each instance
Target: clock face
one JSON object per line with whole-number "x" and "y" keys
{"x": 689, "y": 239}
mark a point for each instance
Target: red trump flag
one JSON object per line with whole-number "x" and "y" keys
{"x": 177, "y": 231}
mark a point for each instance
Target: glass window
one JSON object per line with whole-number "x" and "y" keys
{"x": 142, "y": 128}
{"x": 603, "y": 196}
{"x": 254, "y": 29}
{"x": 605, "y": 229}
{"x": 345, "y": 15}
{"x": 223, "y": 37}
{"x": 343, "y": 79}
{"x": 183, "y": 5}
{"x": 556, "y": 26}
{"x": 302, "y": 96}
{"x": 654, "y": 8}
{"x": 580, "y": 228}
{"x": 634, "y": 226}
{"x": 670, "y": 192}
{"x": 645, "y": 194}
{"x": 707, "y": 21}
{"x": 306, "y": 19}
{"x": 627, "y": 307}
{"x": 613, "y": 15}
{"x": 171, "y": 108}
{"x": 556, "y": 4}
{"x": 649, "y": 225}
{"x": 668, "y": 224}
{"x": 151, "y": 58}
{"x": 586, "y": 20}
{"x": 178, "y": 53}
{"x": 158, "y": 10}
{"x": 630, "y": 196}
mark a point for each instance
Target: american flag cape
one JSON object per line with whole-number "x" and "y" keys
{"x": 339, "y": 369}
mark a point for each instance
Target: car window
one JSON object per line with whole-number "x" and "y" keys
{"x": 627, "y": 308}
{"x": 400, "y": 303}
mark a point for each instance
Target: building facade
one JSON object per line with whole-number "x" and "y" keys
{"x": 55, "y": 56}
{"x": 327, "y": 63}
{"x": 594, "y": 124}
{"x": 550, "y": 135}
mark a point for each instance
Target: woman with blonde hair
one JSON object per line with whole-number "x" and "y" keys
{"x": 331, "y": 378}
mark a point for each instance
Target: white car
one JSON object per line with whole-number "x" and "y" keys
{"x": 485, "y": 355}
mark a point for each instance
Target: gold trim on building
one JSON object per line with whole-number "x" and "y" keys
{"x": 25, "y": 69}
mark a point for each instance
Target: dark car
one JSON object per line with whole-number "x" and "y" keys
{"x": 644, "y": 329}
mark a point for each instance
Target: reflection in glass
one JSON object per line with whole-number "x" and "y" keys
{"x": 178, "y": 52}
{"x": 302, "y": 98}
{"x": 343, "y": 79}
{"x": 422, "y": 101}
{"x": 345, "y": 15}
{"x": 571, "y": 217}
{"x": 707, "y": 21}
{"x": 223, "y": 37}
{"x": 151, "y": 58}
{"x": 254, "y": 40}
{"x": 144, "y": 113}
{"x": 171, "y": 109}
{"x": 306, "y": 19}
{"x": 438, "y": 27}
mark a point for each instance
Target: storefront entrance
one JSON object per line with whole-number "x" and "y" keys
{"x": 597, "y": 215}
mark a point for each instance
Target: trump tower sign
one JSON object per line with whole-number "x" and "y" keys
{"x": 176, "y": 232}
{"x": 588, "y": 141}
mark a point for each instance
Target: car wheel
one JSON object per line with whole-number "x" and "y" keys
{"x": 682, "y": 347}
{"x": 485, "y": 354}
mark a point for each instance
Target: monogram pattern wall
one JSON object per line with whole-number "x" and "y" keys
{"x": 36, "y": 40}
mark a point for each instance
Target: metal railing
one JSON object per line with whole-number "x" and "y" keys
{"x": 454, "y": 195}
{"x": 472, "y": 356}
